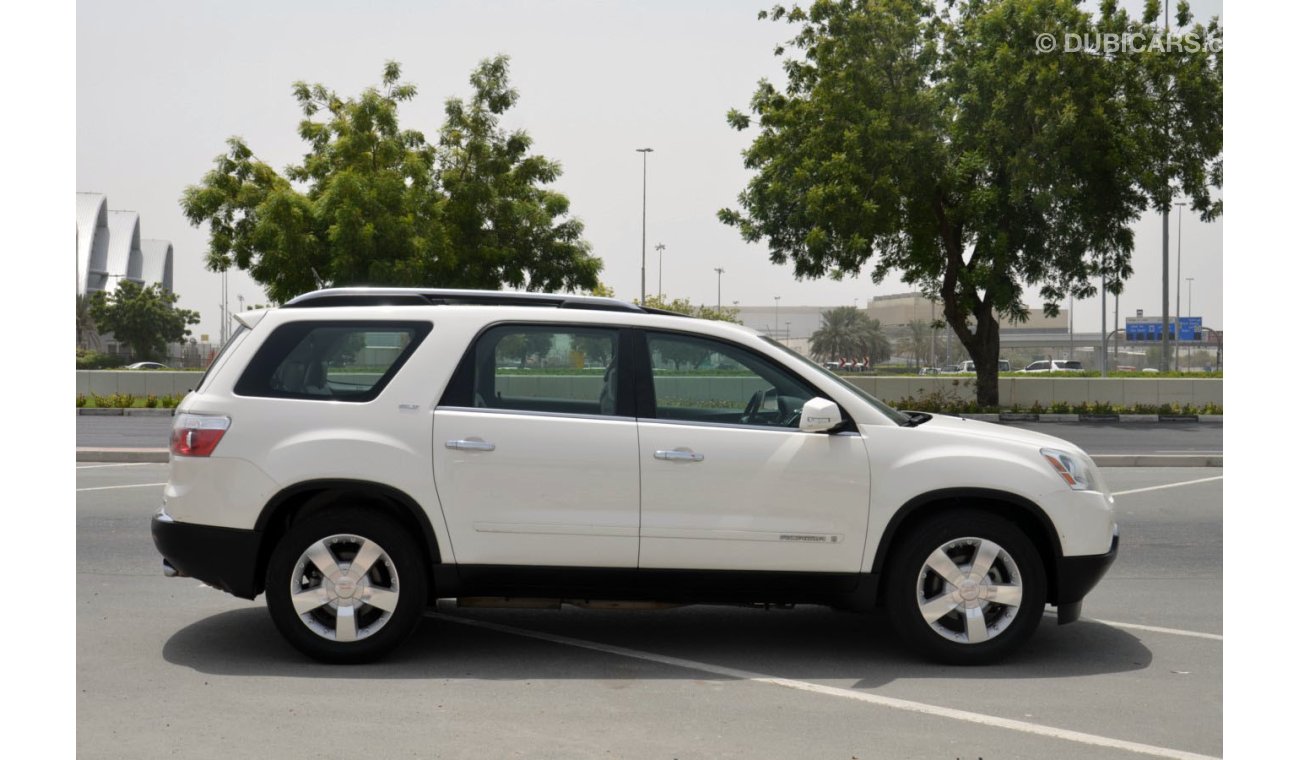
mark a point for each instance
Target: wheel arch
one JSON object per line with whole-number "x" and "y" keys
{"x": 1022, "y": 512}
{"x": 301, "y": 499}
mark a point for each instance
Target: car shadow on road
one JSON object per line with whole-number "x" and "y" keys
{"x": 804, "y": 643}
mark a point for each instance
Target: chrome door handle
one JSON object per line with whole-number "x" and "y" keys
{"x": 471, "y": 445}
{"x": 679, "y": 455}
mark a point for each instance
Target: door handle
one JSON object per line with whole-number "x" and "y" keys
{"x": 471, "y": 445}
{"x": 679, "y": 455}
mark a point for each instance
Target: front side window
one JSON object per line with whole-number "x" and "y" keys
{"x": 330, "y": 361}
{"x": 558, "y": 369}
{"x": 702, "y": 380}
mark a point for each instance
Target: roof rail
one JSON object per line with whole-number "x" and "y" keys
{"x": 445, "y": 297}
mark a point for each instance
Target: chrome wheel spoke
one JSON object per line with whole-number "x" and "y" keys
{"x": 942, "y": 564}
{"x": 345, "y": 628}
{"x": 321, "y": 556}
{"x": 1003, "y": 594}
{"x": 382, "y": 598}
{"x": 309, "y": 599}
{"x": 938, "y": 607}
{"x": 366, "y": 556}
{"x": 976, "y": 632}
{"x": 984, "y": 558}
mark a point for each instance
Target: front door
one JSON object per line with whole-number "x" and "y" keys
{"x": 729, "y": 482}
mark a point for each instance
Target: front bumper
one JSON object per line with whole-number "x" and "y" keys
{"x": 224, "y": 558}
{"x": 1076, "y": 576}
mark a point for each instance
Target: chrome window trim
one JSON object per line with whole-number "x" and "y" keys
{"x": 526, "y": 413}
{"x": 737, "y": 426}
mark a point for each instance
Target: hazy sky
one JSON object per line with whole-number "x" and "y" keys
{"x": 161, "y": 85}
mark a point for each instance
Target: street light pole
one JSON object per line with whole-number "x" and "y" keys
{"x": 776, "y": 316}
{"x": 1178, "y": 299}
{"x": 644, "y": 152}
{"x": 660, "y": 249}
{"x": 720, "y": 272}
{"x": 1189, "y": 307}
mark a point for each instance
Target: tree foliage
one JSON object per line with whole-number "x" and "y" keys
{"x": 932, "y": 139}
{"x": 847, "y": 332}
{"x": 372, "y": 203}
{"x": 144, "y": 318}
{"x": 684, "y": 306}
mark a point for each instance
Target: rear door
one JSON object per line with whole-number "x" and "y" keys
{"x": 535, "y": 449}
{"x": 728, "y": 481}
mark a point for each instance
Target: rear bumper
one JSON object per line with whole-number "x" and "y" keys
{"x": 225, "y": 558}
{"x": 1076, "y": 576}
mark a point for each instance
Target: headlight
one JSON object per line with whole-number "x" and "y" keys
{"x": 1072, "y": 469}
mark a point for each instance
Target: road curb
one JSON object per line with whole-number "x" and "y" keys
{"x": 1158, "y": 460}
{"x": 122, "y": 455}
{"x": 1122, "y": 419}
{"x": 132, "y": 412}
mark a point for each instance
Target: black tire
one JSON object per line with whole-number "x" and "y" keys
{"x": 914, "y": 588}
{"x": 396, "y": 577}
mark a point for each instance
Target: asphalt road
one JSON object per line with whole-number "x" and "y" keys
{"x": 170, "y": 668}
{"x": 1095, "y": 438}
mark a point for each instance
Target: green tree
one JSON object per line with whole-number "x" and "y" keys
{"x": 144, "y": 318}
{"x": 933, "y": 140}
{"x": 684, "y": 306}
{"x": 374, "y": 204}
{"x": 847, "y": 332}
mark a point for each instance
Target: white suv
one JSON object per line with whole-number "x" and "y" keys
{"x": 360, "y": 453}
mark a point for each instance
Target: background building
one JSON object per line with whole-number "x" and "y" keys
{"x": 109, "y": 248}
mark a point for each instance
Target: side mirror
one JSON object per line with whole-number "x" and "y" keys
{"x": 819, "y": 415}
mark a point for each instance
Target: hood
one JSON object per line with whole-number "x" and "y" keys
{"x": 979, "y": 429}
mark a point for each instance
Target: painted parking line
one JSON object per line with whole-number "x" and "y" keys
{"x": 1150, "y": 628}
{"x": 1167, "y": 485}
{"x": 833, "y": 691}
{"x": 109, "y": 488}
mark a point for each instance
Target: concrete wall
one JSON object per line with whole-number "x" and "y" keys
{"x": 1047, "y": 390}
{"x": 1011, "y": 390}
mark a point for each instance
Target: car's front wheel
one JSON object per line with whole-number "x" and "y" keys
{"x": 966, "y": 588}
{"x": 346, "y": 585}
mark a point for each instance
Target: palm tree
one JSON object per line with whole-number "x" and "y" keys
{"x": 87, "y": 335}
{"x": 847, "y": 332}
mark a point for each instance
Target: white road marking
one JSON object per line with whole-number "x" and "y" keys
{"x": 119, "y": 464}
{"x": 1151, "y": 628}
{"x": 1167, "y": 485}
{"x": 133, "y": 485}
{"x": 833, "y": 691}
{"x": 1158, "y": 629}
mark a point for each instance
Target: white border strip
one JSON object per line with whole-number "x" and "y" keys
{"x": 833, "y": 691}
{"x": 1167, "y": 485}
{"x": 109, "y": 488}
{"x": 118, "y": 464}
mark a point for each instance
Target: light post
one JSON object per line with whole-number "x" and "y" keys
{"x": 1071, "y": 325}
{"x": 1189, "y": 306}
{"x": 1103, "y": 315}
{"x": 660, "y": 249}
{"x": 1178, "y": 299}
{"x": 720, "y": 272}
{"x": 787, "y": 333}
{"x": 776, "y": 315}
{"x": 644, "y": 152}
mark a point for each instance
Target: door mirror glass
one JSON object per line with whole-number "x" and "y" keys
{"x": 819, "y": 415}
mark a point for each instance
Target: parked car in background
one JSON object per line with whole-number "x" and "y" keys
{"x": 147, "y": 365}
{"x": 969, "y": 366}
{"x": 1054, "y": 365}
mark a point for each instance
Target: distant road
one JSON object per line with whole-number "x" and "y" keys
{"x": 1094, "y": 438}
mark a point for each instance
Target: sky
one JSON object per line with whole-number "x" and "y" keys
{"x": 161, "y": 85}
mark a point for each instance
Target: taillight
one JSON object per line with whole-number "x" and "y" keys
{"x": 196, "y": 435}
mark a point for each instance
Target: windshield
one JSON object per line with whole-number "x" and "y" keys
{"x": 893, "y": 414}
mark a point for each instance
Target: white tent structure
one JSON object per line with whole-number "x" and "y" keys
{"x": 109, "y": 248}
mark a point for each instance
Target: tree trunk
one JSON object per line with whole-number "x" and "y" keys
{"x": 983, "y": 348}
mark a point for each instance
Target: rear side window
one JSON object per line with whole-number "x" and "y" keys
{"x": 330, "y": 361}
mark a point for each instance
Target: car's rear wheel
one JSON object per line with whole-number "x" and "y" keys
{"x": 346, "y": 585}
{"x": 966, "y": 588}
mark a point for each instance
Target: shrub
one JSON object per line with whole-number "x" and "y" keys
{"x": 81, "y": 400}
{"x": 151, "y": 401}
{"x": 102, "y": 402}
